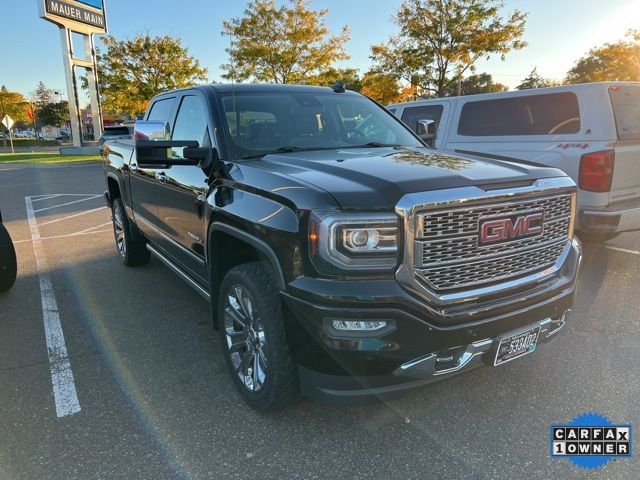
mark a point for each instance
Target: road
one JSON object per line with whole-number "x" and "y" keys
{"x": 154, "y": 400}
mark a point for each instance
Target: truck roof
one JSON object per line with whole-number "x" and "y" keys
{"x": 519, "y": 93}
{"x": 259, "y": 87}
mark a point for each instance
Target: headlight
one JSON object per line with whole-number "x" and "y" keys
{"x": 360, "y": 241}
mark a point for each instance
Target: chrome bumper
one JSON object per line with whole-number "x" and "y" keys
{"x": 452, "y": 361}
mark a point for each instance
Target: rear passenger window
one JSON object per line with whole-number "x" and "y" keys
{"x": 161, "y": 110}
{"x": 548, "y": 114}
{"x": 411, "y": 115}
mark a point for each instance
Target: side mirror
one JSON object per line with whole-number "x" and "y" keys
{"x": 426, "y": 130}
{"x": 153, "y": 145}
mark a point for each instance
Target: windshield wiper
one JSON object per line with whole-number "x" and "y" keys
{"x": 373, "y": 145}
{"x": 288, "y": 150}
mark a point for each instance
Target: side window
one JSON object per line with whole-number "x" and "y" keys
{"x": 392, "y": 110}
{"x": 191, "y": 123}
{"x": 548, "y": 114}
{"x": 161, "y": 110}
{"x": 411, "y": 115}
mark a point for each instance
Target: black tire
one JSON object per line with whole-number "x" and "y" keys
{"x": 8, "y": 263}
{"x": 266, "y": 336}
{"x": 132, "y": 252}
{"x": 596, "y": 237}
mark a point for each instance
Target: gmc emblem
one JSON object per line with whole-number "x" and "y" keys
{"x": 511, "y": 228}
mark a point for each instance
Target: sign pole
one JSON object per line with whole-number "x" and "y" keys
{"x": 74, "y": 110}
{"x": 11, "y": 141}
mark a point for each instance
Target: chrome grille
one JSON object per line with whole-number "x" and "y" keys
{"x": 449, "y": 256}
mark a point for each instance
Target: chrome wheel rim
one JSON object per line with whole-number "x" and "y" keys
{"x": 118, "y": 228}
{"x": 244, "y": 334}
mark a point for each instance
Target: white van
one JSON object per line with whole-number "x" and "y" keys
{"x": 590, "y": 131}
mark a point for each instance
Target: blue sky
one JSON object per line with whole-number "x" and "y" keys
{"x": 558, "y": 32}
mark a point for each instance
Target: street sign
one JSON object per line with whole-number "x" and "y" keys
{"x": 83, "y": 16}
{"x": 8, "y": 122}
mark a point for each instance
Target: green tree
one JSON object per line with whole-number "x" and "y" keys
{"x": 475, "y": 84}
{"x": 42, "y": 95}
{"x": 287, "y": 44}
{"x": 55, "y": 114}
{"x": 348, "y": 76}
{"x": 132, "y": 71}
{"x": 535, "y": 80}
{"x": 440, "y": 40}
{"x": 13, "y": 104}
{"x": 384, "y": 89}
{"x": 612, "y": 61}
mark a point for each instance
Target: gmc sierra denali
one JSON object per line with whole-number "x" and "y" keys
{"x": 341, "y": 256}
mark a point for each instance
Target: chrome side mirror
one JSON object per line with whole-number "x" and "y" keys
{"x": 426, "y": 130}
{"x": 151, "y": 131}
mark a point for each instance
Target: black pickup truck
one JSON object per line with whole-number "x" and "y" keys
{"x": 341, "y": 256}
{"x": 8, "y": 264}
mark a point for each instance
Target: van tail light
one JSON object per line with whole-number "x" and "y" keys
{"x": 596, "y": 171}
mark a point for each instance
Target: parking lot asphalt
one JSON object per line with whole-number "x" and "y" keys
{"x": 155, "y": 401}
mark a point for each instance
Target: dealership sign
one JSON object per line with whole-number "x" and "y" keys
{"x": 85, "y": 16}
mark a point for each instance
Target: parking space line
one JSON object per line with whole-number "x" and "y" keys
{"x": 67, "y": 203}
{"x": 625, "y": 250}
{"x": 45, "y": 197}
{"x": 54, "y": 237}
{"x": 64, "y": 388}
{"x": 71, "y": 216}
{"x": 88, "y": 230}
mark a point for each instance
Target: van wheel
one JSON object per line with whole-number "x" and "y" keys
{"x": 253, "y": 338}
{"x": 8, "y": 264}
{"x": 131, "y": 252}
{"x": 596, "y": 237}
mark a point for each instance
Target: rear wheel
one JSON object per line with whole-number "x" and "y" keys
{"x": 253, "y": 338}
{"x": 131, "y": 252}
{"x": 8, "y": 264}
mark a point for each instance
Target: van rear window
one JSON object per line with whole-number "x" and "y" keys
{"x": 546, "y": 114}
{"x": 626, "y": 109}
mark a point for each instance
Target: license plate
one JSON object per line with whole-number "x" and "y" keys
{"x": 518, "y": 345}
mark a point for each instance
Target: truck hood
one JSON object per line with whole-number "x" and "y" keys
{"x": 379, "y": 177}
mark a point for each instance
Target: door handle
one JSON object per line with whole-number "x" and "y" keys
{"x": 161, "y": 176}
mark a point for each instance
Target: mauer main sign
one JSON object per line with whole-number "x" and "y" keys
{"x": 76, "y": 15}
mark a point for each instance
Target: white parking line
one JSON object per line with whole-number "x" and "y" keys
{"x": 68, "y": 203}
{"x": 625, "y": 250}
{"x": 45, "y": 197}
{"x": 64, "y": 388}
{"x": 71, "y": 216}
{"x": 65, "y": 236}
{"x": 90, "y": 229}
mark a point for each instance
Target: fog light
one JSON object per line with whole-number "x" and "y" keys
{"x": 358, "y": 326}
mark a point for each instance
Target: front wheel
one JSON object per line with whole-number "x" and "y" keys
{"x": 8, "y": 263}
{"x": 253, "y": 338}
{"x": 131, "y": 252}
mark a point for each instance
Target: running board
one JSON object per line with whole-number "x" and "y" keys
{"x": 178, "y": 271}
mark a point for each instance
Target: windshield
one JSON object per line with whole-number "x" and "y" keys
{"x": 260, "y": 123}
{"x": 626, "y": 108}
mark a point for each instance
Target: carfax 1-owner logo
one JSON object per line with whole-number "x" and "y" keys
{"x": 590, "y": 440}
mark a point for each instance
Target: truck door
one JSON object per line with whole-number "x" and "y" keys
{"x": 144, "y": 181}
{"x": 181, "y": 200}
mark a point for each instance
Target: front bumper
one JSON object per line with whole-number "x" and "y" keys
{"x": 624, "y": 217}
{"x": 422, "y": 343}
